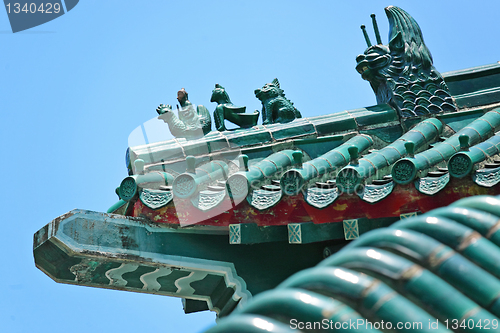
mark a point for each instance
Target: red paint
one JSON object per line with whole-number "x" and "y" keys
{"x": 403, "y": 199}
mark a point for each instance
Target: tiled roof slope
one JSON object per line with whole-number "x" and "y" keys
{"x": 295, "y": 170}
{"x": 439, "y": 270}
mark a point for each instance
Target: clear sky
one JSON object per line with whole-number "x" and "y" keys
{"x": 73, "y": 89}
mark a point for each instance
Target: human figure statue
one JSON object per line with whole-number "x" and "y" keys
{"x": 191, "y": 123}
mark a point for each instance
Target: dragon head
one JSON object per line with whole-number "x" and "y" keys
{"x": 405, "y": 59}
{"x": 405, "y": 42}
{"x": 373, "y": 62}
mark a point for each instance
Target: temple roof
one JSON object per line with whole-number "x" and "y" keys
{"x": 311, "y": 164}
{"x": 302, "y": 189}
{"x": 218, "y": 217}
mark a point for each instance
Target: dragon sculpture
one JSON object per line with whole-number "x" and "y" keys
{"x": 276, "y": 108}
{"x": 401, "y": 73}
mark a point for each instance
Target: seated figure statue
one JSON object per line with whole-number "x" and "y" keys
{"x": 191, "y": 123}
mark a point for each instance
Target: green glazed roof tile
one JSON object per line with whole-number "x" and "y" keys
{"x": 410, "y": 122}
{"x": 339, "y": 123}
{"x": 459, "y": 120}
{"x": 300, "y": 127}
{"x": 251, "y": 136}
{"x": 379, "y": 159}
{"x": 473, "y": 79}
{"x": 318, "y": 146}
{"x": 475, "y": 86}
{"x": 482, "y": 97}
{"x": 388, "y": 134}
{"x": 166, "y": 150}
{"x": 195, "y": 148}
{"x": 393, "y": 153}
{"x": 374, "y": 115}
{"x": 218, "y": 144}
{"x": 442, "y": 266}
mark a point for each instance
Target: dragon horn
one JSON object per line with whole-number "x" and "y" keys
{"x": 276, "y": 82}
{"x": 375, "y": 27}
{"x": 367, "y": 39}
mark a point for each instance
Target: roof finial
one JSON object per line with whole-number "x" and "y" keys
{"x": 367, "y": 39}
{"x": 375, "y": 27}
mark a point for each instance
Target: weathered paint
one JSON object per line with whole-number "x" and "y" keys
{"x": 293, "y": 209}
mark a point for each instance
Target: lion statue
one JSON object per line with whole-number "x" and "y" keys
{"x": 401, "y": 73}
{"x": 276, "y": 108}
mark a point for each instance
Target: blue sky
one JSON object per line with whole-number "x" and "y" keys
{"x": 73, "y": 89}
